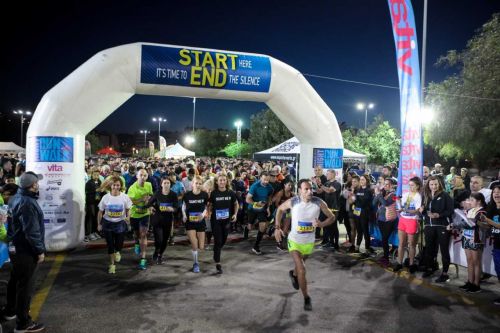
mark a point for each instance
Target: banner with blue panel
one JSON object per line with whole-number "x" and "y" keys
{"x": 205, "y": 69}
{"x": 53, "y": 149}
{"x": 328, "y": 158}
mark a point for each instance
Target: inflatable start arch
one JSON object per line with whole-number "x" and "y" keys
{"x": 71, "y": 109}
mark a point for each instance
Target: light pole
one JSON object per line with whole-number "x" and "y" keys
{"x": 363, "y": 106}
{"x": 145, "y": 133}
{"x": 159, "y": 120}
{"x": 194, "y": 111}
{"x": 22, "y": 114}
{"x": 238, "y": 124}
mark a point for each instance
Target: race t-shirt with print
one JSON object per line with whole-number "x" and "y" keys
{"x": 411, "y": 201}
{"x": 136, "y": 192}
{"x": 260, "y": 193}
{"x": 303, "y": 215}
{"x": 222, "y": 205}
{"x": 114, "y": 207}
{"x": 195, "y": 205}
{"x": 493, "y": 213}
{"x": 160, "y": 202}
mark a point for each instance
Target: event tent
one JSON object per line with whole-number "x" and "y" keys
{"x": 10, "y": 147}
{"x": 107, "y": 151}
{"x": 178, "y": 151}
{"x": 290, "y": 151}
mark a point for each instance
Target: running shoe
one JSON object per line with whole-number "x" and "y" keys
{"x": 218, "y": 267}
{"x": 397, "y": 267}
{"x": 473, "y": 289}
{"x": 294, "y": 279}
{"x": 86, "y": 239}
{"x": 442, "y": 278}
{"x": 92, "y": 237}
{"x": 155, "y": 256}
{"x": 159, "y": 260}
{"x": 7, "y": 315}
{"x": 413, "y": 268}
{"x": 307, "y": 304}
{"x": 352, "y": 249}
{"x": 31, "y": 327}
{"x": 497, "y": 301}
{"x": 112, "y": 269}
{"x": 118, "y": 257}
{"x": 142, "y": 264}
{"x": 171, "y": 241}
{"x": 466, "y": 286}
{"x": 137, "y": 249}
{"x": 196, "y": 268}
{"x": 257, "y": 251}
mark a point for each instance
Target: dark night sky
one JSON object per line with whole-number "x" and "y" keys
{"x": 45, "y": 41}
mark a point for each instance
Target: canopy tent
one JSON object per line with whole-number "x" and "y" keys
{"x": 290, "y": 151}
{"x": 10, "y": 147}
{"x": 178, "y": 151}
{"x": 107, "y": 151}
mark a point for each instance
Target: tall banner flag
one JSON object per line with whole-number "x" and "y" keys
{"x": 88, "y": 148}
{"x": 151, "y": 148}
{"x": 405, "y": 38}
{"x": 163, "y": 144}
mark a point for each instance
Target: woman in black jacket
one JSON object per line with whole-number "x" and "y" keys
{"x": 362, "y": 208}
{"x": 437, "y": 210}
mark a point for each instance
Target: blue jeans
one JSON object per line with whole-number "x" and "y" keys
{"x": 496, "y": 260}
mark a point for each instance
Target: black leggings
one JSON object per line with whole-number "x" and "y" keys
{"x": 331, "y": 234}
{"x": 161, "y": 232}
{"x": 344, "y": 218}
{"x": 386, "y": 229}
{"x": 220, "y": 232}
{"x": 435, "y": 237}
{"x": 90, "y": 218}
{"x": 362, "y": 227}
{"x": 114, "y": 241}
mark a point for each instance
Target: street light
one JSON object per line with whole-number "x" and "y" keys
{"x": 22, "y": 114}
{"x": 363, "y": 106}
{"x": 145, "y": 133}
{"x": 238, "y": 123}
{"x": 189, "y": 139}
{"x": 159, "y": 120}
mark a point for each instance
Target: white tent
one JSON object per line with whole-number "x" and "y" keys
{"x": 290, "y": 150}
{"x": 178, "y": 151}
{"x": 10, "y": 147}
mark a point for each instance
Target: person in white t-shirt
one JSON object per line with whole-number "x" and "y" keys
{"x": 408, "y": 223}
{"x": 114, "y": 214}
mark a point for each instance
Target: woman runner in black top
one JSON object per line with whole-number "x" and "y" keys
{"x": 223, "y": 206}
{"x": 282, "y": 196}
{"x": 194, "y": 212}
{"x": 164, "y": 203}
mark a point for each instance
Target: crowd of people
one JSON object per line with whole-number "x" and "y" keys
{"x": 208, "y": 198}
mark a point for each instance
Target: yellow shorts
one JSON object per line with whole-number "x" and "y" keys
{"x": 304, "y": 249}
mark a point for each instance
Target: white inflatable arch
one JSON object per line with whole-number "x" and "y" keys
{"x": 71, "y": 109}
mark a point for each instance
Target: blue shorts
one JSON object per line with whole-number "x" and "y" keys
{"x": 140, "y": 223}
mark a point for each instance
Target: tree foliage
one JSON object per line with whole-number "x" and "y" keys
{"x": 468, "y": 127}
{"x": 211, "y": 142}
{"x": 95, "y": 143}
{"x": 234, "y": 149}
{"x": 266, "y": 130}
{"x": 381, "y": 142}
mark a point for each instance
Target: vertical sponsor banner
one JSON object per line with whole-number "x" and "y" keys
{"x": 53, "y": 158}
{"x": 405, "y": 38}
{"x": 163, "y": 144}
{"x": 151, "y": 148}
{"x": 88, "y": 149}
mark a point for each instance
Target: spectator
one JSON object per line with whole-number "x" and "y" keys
{"x": 465, "y": 176}
{"x": 459, "y": 194}
{"x": 448, "y": 181}
{"x": 476, "y": 185}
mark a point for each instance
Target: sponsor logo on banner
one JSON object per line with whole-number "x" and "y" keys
{"x": 55, "y": 168}
{"x": 53, "y": 149}
{"x": 205, "y": 68}
{"x": 55, "y": 181}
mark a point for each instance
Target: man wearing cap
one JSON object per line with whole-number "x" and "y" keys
{"x": 27, "y": 233}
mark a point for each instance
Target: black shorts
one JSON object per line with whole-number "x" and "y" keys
{"x": 257, "y": 216}
{"x": 139, "y": 223}
{"x": 198, "y": 226}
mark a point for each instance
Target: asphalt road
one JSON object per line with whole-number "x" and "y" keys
{"x": 253, "y": 295}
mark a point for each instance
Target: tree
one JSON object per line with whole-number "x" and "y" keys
{"x": 234, "y": 149}
{"x": 266, "y": 130}
{"x": 210, "y": 142}
{"x": 381, "y": 142}
{"x": 95, "y": 143}
{"x": 468, "y": 127}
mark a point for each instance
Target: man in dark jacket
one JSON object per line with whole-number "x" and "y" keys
{"x": 26, "y": 232}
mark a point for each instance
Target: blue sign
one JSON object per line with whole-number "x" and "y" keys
{"x": 53, "y": 149}
{"x": 328, "y": 158}
{"x": 205, "y": 69}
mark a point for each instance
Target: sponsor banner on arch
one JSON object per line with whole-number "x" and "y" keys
{"x": 205, "y": 69}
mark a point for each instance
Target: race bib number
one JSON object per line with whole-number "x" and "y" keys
{"x": 357, "y": 211}
{"x": 469, "y": 233}
{"x": 115, "y": 210}
{"x": 258, "y": 206}
{"x": 140, "y": 209}
{"x": 164, "y": 206}
{"x": 305, "y": 227}
{"x": 194, "y": 217}
{"x": 222, "y": 214}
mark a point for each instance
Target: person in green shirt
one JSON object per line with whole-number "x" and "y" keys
{"x": 140, "y": 192}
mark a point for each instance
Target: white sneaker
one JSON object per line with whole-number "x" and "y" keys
{"x": 97, "y": 236}
{"x": 92, "y": 237}
{"x": 86, "y": 239}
